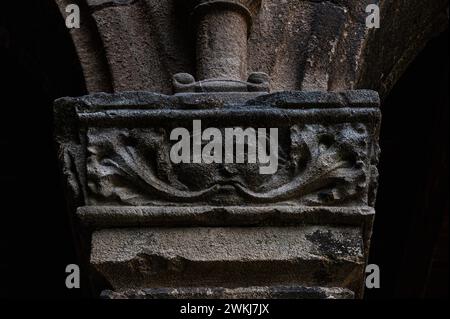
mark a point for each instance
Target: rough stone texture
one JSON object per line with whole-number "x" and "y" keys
{"x": 222, "y": 54}
{"x": 101, "y": 217}
{"x": 288, "y": 292}
{"x": 121, "y": 174}
{"x": 167, "y": 230}
{"x": 160, "y": 225}
{"x": 309, "y": 45}
{"x": 407, "y": 26}
{"x": 157, "y": 224}
{"x": 327, "y": 156}
{"x": 98, "y": 217}
{"x": 90, "y": 49}
{"x": 230, "y": 257}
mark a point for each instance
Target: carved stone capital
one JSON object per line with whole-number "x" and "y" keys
{"x": 160, "y": 223}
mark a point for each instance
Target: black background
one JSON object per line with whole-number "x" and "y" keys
{"x": 38, "y": 64}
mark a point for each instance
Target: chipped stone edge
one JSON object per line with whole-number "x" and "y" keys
{"x": 272, "y": 292}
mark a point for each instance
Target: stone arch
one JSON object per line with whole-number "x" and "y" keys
{"x": 303, "y": 45}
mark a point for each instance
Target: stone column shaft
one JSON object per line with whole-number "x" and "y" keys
{"x": 222, "y": 45}
{"x": 222, "y": 31}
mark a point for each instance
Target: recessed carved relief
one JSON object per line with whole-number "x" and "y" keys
{"x": 326, "y": 156}
{"x": 317, "y": 165}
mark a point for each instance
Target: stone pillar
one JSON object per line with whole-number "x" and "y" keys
{"x": 176, "y": 230}
{"x": 222, "y": 30}
{"x": 165, "y": 229}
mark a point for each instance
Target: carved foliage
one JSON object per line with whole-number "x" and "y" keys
{"x": 318, "y": 165}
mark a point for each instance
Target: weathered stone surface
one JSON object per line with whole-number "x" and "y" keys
{"x": 230, "y": 257}
{"x": 222, "y": 29}
{"x": 98, "y": 217}
{"x": 288, "y": 292}
{"x": 327, "y": 156}
{"x": 90, "y": 50}
{"x": 309, "y": 45}
{"x": 407, "y": 25}
{"x": 311, "y": 220}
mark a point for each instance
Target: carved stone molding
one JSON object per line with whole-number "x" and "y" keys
{"x": 115, "y": 155}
